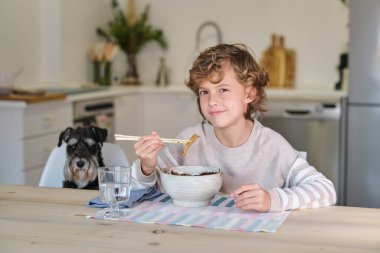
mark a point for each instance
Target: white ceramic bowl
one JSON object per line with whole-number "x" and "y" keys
{"x": 193, "y": 189}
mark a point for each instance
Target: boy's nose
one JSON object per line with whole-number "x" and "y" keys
{"x": 213, "y": 99}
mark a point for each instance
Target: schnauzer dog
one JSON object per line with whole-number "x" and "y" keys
{"x": 84, "y": 156}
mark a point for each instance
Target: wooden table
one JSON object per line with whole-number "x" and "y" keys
{"x": 39, "y": 220}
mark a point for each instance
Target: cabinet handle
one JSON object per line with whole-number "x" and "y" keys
{"x": 48, "y": 120}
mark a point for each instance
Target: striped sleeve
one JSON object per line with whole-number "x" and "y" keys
{"x": 139, "y": 179}
{"x": 305, "y": 188}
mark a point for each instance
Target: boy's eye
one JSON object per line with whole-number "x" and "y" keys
{"x": 202, "y": 92}
{"x": 223, "y": 90}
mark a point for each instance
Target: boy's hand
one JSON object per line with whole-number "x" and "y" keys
{"x": 147, "y": 148}
{"x": 252, "y": 197}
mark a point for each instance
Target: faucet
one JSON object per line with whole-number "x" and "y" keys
{"x": 200, "y": 29}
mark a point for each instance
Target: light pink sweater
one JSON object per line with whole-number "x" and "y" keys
{"x": 266, "y": 158}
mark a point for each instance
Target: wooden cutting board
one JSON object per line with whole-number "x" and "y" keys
{"x": 279, "y": 62}
{"x": 37, "y": 98}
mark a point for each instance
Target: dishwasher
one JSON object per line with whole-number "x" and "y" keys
{"x": 96, "y": 112}
{"x": 313, "y": 127}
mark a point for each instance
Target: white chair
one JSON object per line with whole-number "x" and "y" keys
{"x": 52, "y": 176}
{"x": 302, "y": 154}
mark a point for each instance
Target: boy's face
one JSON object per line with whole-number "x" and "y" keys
{"x": 224, "y": 104}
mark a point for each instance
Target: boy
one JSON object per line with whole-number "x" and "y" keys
{"x": 261, "y": 170}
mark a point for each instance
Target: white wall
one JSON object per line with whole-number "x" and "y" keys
{"x": 20, "y": 38}
{"x": 79, "y": 21}
{"x": 50, "y": 39}
{"x": 317, "y": 30}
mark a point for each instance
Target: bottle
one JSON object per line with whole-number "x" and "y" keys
{"x": 162, "y": 75}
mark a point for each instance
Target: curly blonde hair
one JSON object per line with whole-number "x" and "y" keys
{"x": 209, "y": 66}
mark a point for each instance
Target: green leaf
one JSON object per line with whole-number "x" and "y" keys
{"x": 131, "y": 38}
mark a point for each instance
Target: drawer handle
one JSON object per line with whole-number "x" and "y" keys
{"x": 298, "y": 112}
{"x": 97, "y": 107}
{"x": 48, "y": 120}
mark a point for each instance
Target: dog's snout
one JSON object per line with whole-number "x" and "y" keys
{"x": 80, "y": 163}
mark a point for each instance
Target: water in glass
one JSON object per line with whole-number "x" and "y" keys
{"x": 114, "y": 192}
{"x": 114, "y": 187}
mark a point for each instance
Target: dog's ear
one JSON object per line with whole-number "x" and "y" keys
{"x": 100, "y": 134}
{"x": 65, "y": 135}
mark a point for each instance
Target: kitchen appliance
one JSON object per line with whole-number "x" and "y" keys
{"x": 312, "y": 127}
{"x": 96, "y": 112}
{"x": 363, "y": 107}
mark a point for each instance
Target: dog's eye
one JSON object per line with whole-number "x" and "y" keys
{"x": 93, "y": 148}
{"x": 72, "y": 147}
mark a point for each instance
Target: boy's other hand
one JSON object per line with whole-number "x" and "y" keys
{"x": 252, "y": 197}
{"x": 147, "y": 148}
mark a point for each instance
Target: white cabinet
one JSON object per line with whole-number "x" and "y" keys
{"x": 128, "y": 118}
{"x": 28, "y": 133}
{"x": 167, "y": 113}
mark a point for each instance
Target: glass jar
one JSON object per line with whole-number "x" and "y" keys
{"x": 102, "y": 72}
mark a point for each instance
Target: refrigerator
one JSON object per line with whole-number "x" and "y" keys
{"x": 363, "y": 106}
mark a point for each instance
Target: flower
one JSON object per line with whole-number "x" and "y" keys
{"x": 130, "y": 32}
{"x": 103, "y": 52}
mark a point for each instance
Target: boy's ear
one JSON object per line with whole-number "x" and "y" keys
{"x": 250, "y": 94}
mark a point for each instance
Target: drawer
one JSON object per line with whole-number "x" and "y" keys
{"x": 37, "y": 150}
{"x": 47, "y": 117}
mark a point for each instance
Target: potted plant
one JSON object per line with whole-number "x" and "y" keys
{"x": 131, "y": 34}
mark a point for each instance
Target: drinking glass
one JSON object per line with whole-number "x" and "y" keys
{"x": 114, "y": 186}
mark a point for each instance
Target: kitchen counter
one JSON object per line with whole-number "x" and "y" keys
{"x": 272, "y": 94}
{"x": 34, "y": 219}
{"x": 118, "y": 90}
{"x": 304, "y": 95}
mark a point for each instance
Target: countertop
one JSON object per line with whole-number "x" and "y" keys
{"x": 34, "y": 219}
{"x": 272, "y": 94}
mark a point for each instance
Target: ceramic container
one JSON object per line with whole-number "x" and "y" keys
{"x": 192, "y": 189}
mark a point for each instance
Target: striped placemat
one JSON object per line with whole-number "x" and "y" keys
{"x": 220, "y": 214}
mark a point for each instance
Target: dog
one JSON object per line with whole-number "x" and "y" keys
{"x": 84, "y": 156}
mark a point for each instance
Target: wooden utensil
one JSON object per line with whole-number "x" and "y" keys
{"x": 121, "y": 137}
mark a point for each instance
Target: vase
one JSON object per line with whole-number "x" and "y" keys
{"x": 102, "y": 72}
{"x": 132, "y": 76}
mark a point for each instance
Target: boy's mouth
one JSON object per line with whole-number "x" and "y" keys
{"x": 216, "y": 113}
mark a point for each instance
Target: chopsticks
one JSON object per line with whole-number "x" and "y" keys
{"x": 120, "y": 137}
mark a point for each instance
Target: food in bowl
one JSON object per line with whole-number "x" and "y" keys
{"x": 191, "y": 186}
{"x": 173, "y": 172}
{"x": 192, "y": 139}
